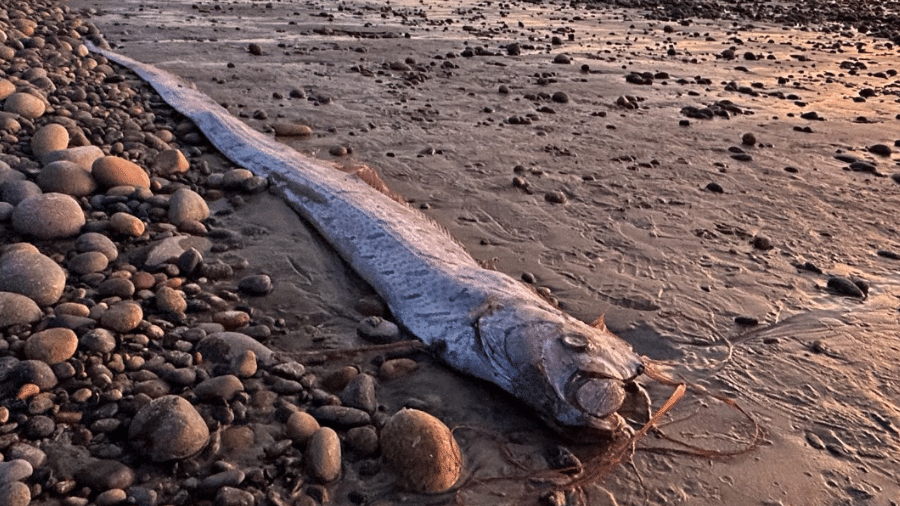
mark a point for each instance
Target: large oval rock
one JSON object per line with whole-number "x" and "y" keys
{"x": 112, "y": 171}
{"x": 422, "y": 451}
{"x": 17, "y": 309}
{"x": 171, "y": 161}
{"x": 25, "y": 105}
{"x": 323, "y": 455}
{"x": 93, "y": 241}
{"x": 187, "y": 205}
{"x": 66, "y": 177}
{"x": 50, "y": 137}
{"x": 15, "y": 493}
{"x": 33, "y": 275}
{"x": 83, "y": 156}
{"x": 48, "y": 216}
{"x": 168, "y": 428}
{"x": 122, "y": 316}
{"x": 226, "y": 347}
{"x": 52, "y": 345}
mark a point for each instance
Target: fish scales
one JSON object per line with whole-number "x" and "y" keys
{"x": 479, "y": 321}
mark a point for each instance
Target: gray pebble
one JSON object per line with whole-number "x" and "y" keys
{"x": 230, "y": 496}
{"x": 32, "y": 274}
{"x": 83, "y": 156}
{"x": 105, "y": 474}
{"x": 360, "y": 393}
{"x": 68, "y": 178}
{"x": 48, "y": 216}
{"x": 189, "y": 261}
{"x": 363, "y": 440}
{"x": 290, "y": 370}
{"x": 186, "y": 205}
{"x": 17, "y": 191}
{"x": 224, "y": 347}
{"x": 257, "y": 284}
{"x": 116, "y": 287}
{"x": 229, "y": 478}
{"x": 220, "y": 387}
{"x": 32, "y": 454}
{"x": 378, "y": 330}
{"x": 341, "y": 416}
{"x": 17, "y": 309}
{"x": 168, "y": 428}
{"x": 122, "y": 316}
{"x": 15, "y": 470}
{"x": 93, "y": 241}
{"x": 15, "y": 493}
{"x": 88, "y": 262}
{"x": 323, "y": 455}
{"x": 99, "y": 341}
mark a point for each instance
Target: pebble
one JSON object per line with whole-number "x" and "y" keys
{"x": 15, "y": 470}
{"x": 32, "y": 454}
{"x": 231, "y": 319}
{"x": 87, "y": 262}
{"x": 245, "y": 364}
{"x": 292, "y": 130}
{"x": 116, "y": 287}
{"x": 229, "y": 478}
{"x": 221, "y": 387}
{"x": 342, "y": 416}
{"x": 360, "y": 393}
{"x": 562, "y": 59}
{"x": 48, "y": 216}
{"x": 170, "y": 300}
{"x": 378, "y": 330}
{"x": 51, "y": 346}
{"x": 15, "y": 493}
{"x": 300, "y": 426}
{"x": 171, "y": 161}
{"x": 50, "y": 137}
{"x": 112, "y": 171}
{"x": 364, "y": 440}
{"x": 111, "y": 497}
{"x": 168, "y": 428}
{"x": 17, "y": 309}
{"x": 186, "y": 205}
{"x": 105, "y": 474}
{"x": 234, "y": 178}
{"x": 422, "y": 451}
{"x": 15, "y": 192}
{"x": 230, "y": 496}
{"x": 844, "y": 286}
{"x": 257, "y": 284}
{"x": 555, "y": 197}
{"x": 99, "y": 341}
{"x": 122, "y": 316}
{"x": 66, "y": 177}
{"x": 33, "y": 275}
{"x": 25, "y": 105}
{"x": 880, "y": 149}
{"x": 127, "y": 224}
{"x": 225, "y": 347}
{"x": 397, "y": 368}
{"x": 93, "y": 241}
{"x": 82, "y": 156}
{"x": 7, "y": 88}
{"x": 323, "y": 455}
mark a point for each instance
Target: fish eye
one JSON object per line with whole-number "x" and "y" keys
{"x": 576, "y": 342}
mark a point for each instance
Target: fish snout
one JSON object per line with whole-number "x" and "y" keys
{"x": 596, "y": 396}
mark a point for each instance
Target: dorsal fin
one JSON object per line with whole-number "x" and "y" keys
{"x": 599, "y": 323}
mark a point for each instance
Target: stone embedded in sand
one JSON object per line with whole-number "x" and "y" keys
{"x": 323, "y": 455}
{"x": 171, "y": 161}
{"x": 421, "y": 450}
{"x": 66, "y": 177}
{"x": 83, "y": 156}
{"x": 25, "y": 105}
{"x": 122, "y": 316}
{"x": 127, "y": 224}
{"x": 234, "y": 178}
{"x": 187, "y": 205}
{"x": 93, "y": 241}
{"x": 256, "y": 284}
{"x": 33, "y": 275}
{"x": 48, "y": 216}
{"x": 112, "y": 171}
{"x": 168, "y": 428}
{"x": 231, "y": 319}
{"x": 50, "y": 137}
{"x": 52, "y": 346}
{"x": 17, "y": 309}
{"x": 292, "y": 129}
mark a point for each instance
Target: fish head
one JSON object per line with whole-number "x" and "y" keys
{"x": 574, "y": 374}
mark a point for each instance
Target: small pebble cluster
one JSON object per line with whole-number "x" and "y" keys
{"x": 132, "y": 365}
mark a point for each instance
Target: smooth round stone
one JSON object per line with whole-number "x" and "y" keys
{"x": 82, "y": 156}
{"x": 422, "y": 451}
{"x": 17, "y": 309}
{"x": 230, "y": 496}
{"x": 50, "y": 137}
{"x": 6, "y": 210}
{"x": 234, "y": 178}
{"x": 15, "y": 192}
{"x": 33, "y": 275}
{"x": 25, "y": 105}
{"x": 168, "y": 428}
{"x": 34, "y": 372}
{"x": 171, "y": 161}
{"x": 127, "y": 224}
{"x": 257, "y": 284}
{"x": 68, "y": 178}
{"x": 397, "y": 368}
{"x": 364, "y": 440}
{"x": 71, "y": 308}
{"x": 170, "y": 299}
{"x": 51, "y": 346}
{"x": 34, "y": 455}
{"x": 93, "y": 241}
{"x": 122, "y": 316}
{"x": 48, "y": 216}
{"x": 111, "y": 497}
{"x": 15, "y": 493}
{"x": 300, "y": 426}
{"x": 88, "y": 262}
{"x": 360, "y": 393}
{"x": 7, "y": 88}
{"x": 225, "y": 347}
{"x": 116, "y": 287}
{"x": 231, "y": 319}
{"x": 99, "y": 341}
{"x": 187, "y": 205}
{"x": 378, "y": 330}
{"x": 292, "y": 129}
{"x": 244, "y": 365}
{"x": 105, "y": 474}
{"x": 15, "y": 470}
{"x": 112, "y": 171}
{"x": 323, "y": 455}
{"x": 221, "y": 387}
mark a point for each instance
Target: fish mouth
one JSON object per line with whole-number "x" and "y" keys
{"x": 595, "y": 396}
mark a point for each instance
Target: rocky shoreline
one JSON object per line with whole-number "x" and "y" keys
{"x": 132, "y": 365}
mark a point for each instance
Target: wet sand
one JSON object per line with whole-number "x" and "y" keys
{"x": 681, "y": 235}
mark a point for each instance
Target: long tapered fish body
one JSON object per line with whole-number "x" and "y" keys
{"x": 478, "y": 321}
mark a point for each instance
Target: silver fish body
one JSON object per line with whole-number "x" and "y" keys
{"x": 478, "y": 321}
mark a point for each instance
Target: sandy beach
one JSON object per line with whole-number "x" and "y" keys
{"x": 722, "y": 191}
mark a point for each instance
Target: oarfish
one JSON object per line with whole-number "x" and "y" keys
{"x": 478, "y": 321}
